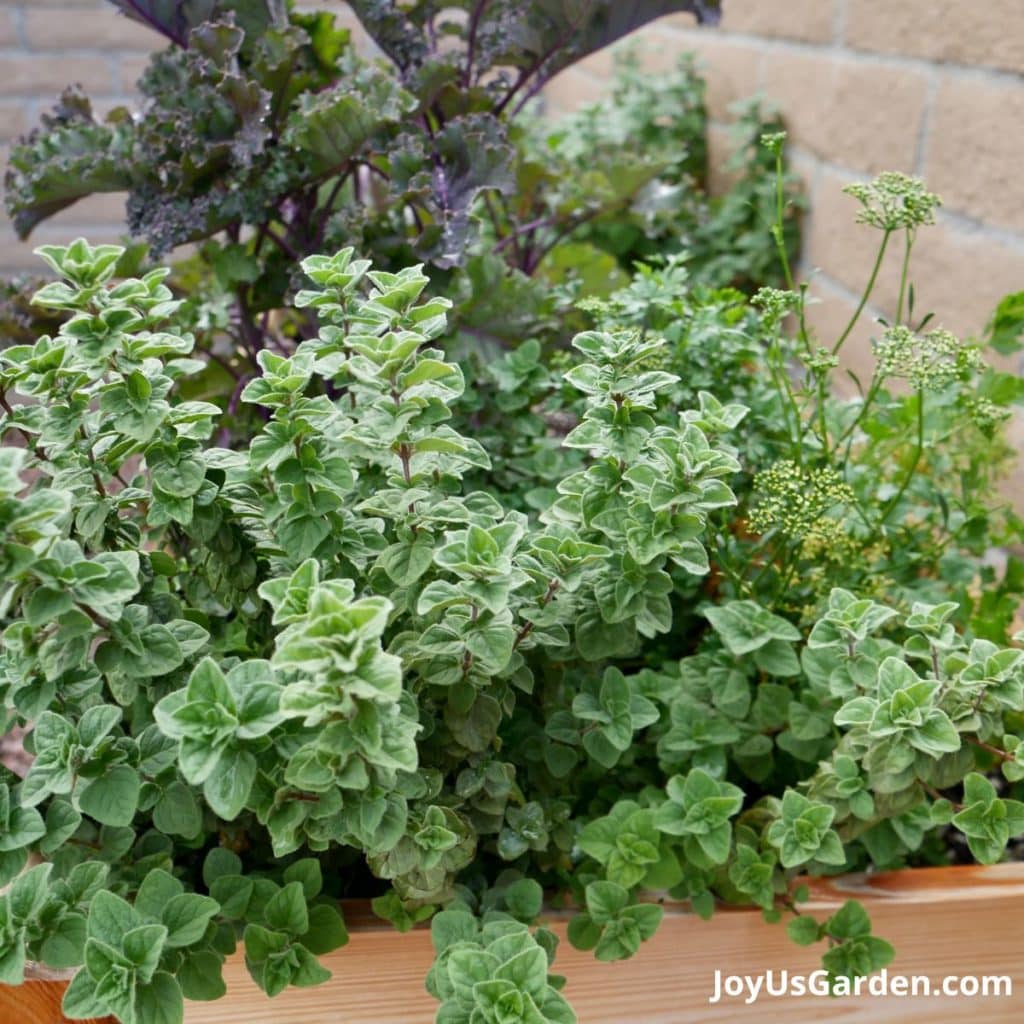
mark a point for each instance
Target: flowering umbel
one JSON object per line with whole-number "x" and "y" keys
{"x": 894, "y": 201}
{"x": 795, "y": 500}
{"x": 930, "y": 361}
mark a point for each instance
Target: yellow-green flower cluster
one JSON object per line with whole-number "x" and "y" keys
{"x": 984, "y": 414}
{"x": 930, "y": 361}
{"x": 796, "y": 501}
{"x": 820, "y": 362}
{"x": 894, "y": 201}
{"x": 774, "y": 304}
{"x": 773, "y": 141}
{"x": 828, "y": 541}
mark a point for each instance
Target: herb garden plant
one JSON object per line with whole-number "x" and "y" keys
{"x": 504, "y": 556}
{"x": 284, "y": 140}
{"x": 370, "y": 651}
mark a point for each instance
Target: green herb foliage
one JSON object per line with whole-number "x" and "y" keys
{"x": 263, "y": 135}
{"x": 408, "y": 641}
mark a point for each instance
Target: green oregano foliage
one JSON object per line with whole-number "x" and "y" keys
{"x": 611, "y": 927}
{"x": 853, "y": 951}
{"x": 494, "y": 970}
{"x": 363, "y": 652}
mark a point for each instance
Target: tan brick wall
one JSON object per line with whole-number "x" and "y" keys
{"x": 975, "y": 33}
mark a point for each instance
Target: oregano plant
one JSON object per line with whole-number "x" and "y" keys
{"x": 466, "y": 657}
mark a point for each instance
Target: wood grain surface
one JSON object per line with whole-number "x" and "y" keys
{"x": 942, "y": 921}
{"x": 37, "y": 1002}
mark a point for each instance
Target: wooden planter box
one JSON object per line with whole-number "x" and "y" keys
{"x": 38, "y": 1001}
{"x": 943, "y": 922}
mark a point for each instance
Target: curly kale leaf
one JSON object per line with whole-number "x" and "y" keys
{"x": 447, "y": 172}
{"x": 70, "y": 156}
{"x": 205, "y": 125}
{"x": 330, "y": 127}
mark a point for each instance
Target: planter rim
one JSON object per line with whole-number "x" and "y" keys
{"x": 954, "y": 882}
{"x": 945, "y": 882}
{"x": 659, "y": 991}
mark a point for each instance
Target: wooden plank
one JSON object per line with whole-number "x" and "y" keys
{"x": 942, "y": 921}
{"x": 37, "y": 1002}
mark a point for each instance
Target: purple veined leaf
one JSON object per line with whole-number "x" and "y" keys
{"x": 540, "y": 37}
{"x": 548, "y": 36}
{"x": 175, "y": 19}
{"x": 564, "y": 31}
{"x": 171, "y": 18}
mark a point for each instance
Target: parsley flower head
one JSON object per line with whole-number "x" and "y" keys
{"x": 820, "y": 362}
{"x": 984, "y": 413}
{"x": 894, "y": 201}
{"x": 930, "y": 361}
{"x": 774, "y": 303}
{"x": 796, "y": 501}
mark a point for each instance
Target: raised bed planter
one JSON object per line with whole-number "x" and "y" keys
{"x": 38, "y": 1000}
{"x": 961, "y": 921}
